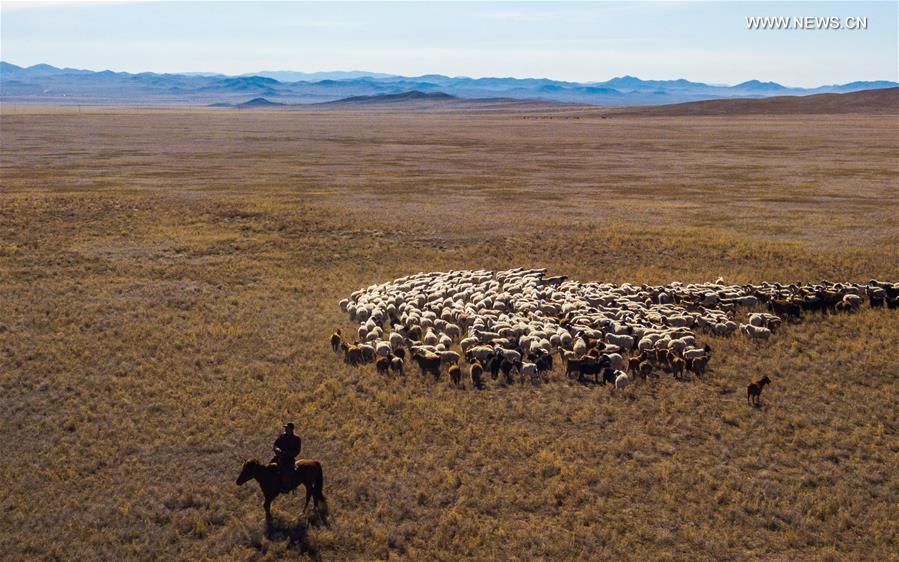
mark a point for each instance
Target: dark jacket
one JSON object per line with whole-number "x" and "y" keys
{"x": 289, "y": 445}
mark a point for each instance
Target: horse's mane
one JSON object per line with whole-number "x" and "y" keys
{"x": 257, "y": 462}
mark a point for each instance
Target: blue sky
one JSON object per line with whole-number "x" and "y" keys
{"x": 701, "y": 41}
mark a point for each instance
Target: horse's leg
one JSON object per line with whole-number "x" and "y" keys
{"x": 268, "y": 509}
{"x": 308, "y": 493}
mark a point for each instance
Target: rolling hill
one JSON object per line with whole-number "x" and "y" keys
{"x": 883, "y": 101}
{"x": 415, "y": 100}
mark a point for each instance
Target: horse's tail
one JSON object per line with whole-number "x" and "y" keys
{"x": 319, "y": 484}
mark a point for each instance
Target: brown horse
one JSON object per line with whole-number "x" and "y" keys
{"x": 308, "y": 473}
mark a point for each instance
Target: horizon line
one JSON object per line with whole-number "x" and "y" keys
{"x": 508, "y": 77}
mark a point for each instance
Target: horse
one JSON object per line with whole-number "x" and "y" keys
{"x": 307, "y": 472}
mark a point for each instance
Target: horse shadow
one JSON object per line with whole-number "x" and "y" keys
{"x": 296, "y": 533}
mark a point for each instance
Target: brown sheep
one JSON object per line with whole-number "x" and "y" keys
{"x": 476, "y": 372}
{"x": 645, "y": 369}
{"x": 697, "y": 365}
{"x": 785, "y": 308}
{"x": 336, "y": 338}
{"x": 398, "y": 366}
{"x": 455, "y": 374}
{"x": 414, "y": 333}
{"x": 677, "y": 365}
{"x": 352, "y": 355}
{"x": 383, "y": 365}
{"x": 368, "y": 351}
{"x": 831, "y": 298}
{"x": 661, "y": 357}
{"x": 585, "y": 366}
{"x": 506, "y": 367}
{"x": 428, "y": 363}
{"x": 754, "y": 391}
{"x": 633, "y": 363}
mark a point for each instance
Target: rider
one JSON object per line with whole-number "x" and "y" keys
{"x": 287, "y": 448}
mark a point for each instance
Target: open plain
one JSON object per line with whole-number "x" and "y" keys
{"x": 169, "y": 279}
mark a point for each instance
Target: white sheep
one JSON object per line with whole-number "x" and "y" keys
{"x": 396, "y": 340}
{"x": 481, "y": 352}
{"x": 430, "y": 338}
{"x": 616, "y": 361}
{"x": 755, "y": 332}
{"x": 449, "y": 357}
{"x": 624, "y": 342}
{"x": 527, "y": 369}
{"x": 758, "y": 320}
{"x": 383, "y": 348}
{"x": 579, "y": 347}
{"x": 368, "y": 352}
{"x": 453, "y": 331}
{"x": 694, "y": 353}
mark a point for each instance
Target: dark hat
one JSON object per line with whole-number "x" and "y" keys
{"x": 289, "y": 424}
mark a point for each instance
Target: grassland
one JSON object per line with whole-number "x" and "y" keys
{"x": 168, "y": 280}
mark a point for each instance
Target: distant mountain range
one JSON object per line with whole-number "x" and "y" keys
{"x": 43, "y": 83}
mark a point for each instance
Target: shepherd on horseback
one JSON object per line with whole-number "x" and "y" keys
{"x": 287, "y": 449}
{"x": 308, "y": 473}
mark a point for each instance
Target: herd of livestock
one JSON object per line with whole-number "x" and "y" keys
{"x": 518, "y": 323}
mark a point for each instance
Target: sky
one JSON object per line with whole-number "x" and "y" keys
{"x": 580, "y": 41}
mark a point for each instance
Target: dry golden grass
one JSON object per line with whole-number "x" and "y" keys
{"x": 168, "y": 281}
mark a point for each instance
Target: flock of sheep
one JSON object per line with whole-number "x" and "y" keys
{"x": 514, "y": 323}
